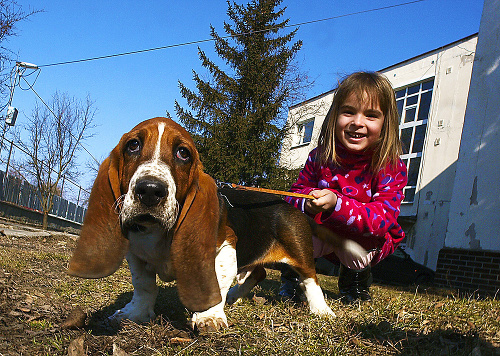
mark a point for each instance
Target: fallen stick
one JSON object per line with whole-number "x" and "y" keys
{"x": 272, "y": 191}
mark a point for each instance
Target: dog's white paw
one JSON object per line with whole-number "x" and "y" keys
{"x": 316, "y": 299}
{"x": 322, "y": 311}
{"x": 135, "y": 312}
{"x": 212, "y": 319}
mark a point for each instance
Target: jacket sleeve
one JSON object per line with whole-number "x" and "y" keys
{"x": 377, "y": 217}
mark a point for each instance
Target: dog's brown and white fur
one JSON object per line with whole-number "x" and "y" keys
{"x": 152, "y": 202}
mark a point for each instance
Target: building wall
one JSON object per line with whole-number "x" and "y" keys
{"x": 425, "y": 219}
{"x": 474, "y": 214}
{"x": 294, "y": 154}
{"x": 451, "y": 68}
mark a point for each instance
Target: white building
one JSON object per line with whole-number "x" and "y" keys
{"x": 431, "y": 91}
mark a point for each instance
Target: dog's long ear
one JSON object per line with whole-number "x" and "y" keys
{"x": 194, "y": 246}
{"x": 101, "y": 246}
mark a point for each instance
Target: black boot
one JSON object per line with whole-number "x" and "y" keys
{"x": 355, "y": 284}
{"x": 290, "y": 285}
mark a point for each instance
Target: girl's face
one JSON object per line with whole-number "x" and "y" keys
{"x": 359, "y": 123}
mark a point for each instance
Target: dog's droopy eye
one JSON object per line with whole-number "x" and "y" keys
{"x": 133, "y": 146}
{"x": 183, "y": 154}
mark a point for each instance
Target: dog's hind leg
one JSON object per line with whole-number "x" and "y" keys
{"x": 315, "y": 298}
{"x": 312, "y": 290}
{"x": 247, "y": 279}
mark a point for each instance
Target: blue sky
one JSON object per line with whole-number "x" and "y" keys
{"x": 130, "y": 89}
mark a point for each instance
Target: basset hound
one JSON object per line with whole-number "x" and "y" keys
{"x": 152, "y": 202}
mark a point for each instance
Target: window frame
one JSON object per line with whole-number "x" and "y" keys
{"x": 402, "y": 95}
{"x": 301, "y": 130}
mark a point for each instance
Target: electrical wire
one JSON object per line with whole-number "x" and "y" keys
{"x": 19, "y": 74}
{"x": 228, "y": 36}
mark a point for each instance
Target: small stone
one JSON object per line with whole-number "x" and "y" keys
{"x": 75, "y": 320}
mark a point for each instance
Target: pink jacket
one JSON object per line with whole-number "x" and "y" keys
{"x": 368, "y": 204}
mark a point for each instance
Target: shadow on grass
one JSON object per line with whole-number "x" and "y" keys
{"x": 440, "y": 342}
{"x": 168, "y": 305}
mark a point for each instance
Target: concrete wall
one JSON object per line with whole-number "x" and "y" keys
{"x": 474, "y": 219}
{"x": 30, "y": 216}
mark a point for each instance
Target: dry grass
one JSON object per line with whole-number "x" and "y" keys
{"x": 36, "y": 296}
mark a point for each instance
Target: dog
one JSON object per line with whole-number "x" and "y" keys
{"x": 153, "y": 204}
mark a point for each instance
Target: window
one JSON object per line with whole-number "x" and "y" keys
{"x": 305, "y": 130}
{"x": 414, "y": 103}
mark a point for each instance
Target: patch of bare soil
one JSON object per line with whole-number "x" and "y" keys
{"x": 29, "y": 313}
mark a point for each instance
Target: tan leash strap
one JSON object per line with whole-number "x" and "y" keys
{"x": 272, "y": 191}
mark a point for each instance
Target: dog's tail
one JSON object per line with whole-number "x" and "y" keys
{"x": 336, "y": 241}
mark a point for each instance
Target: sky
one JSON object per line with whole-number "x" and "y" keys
{"x": 129, "y": 89}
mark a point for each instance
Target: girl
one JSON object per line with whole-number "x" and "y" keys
{"x": 357, "y": 180}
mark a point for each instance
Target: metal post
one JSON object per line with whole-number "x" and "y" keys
{"x": 62, "y": 186}
{"x": 8, "y": 159}
{"x": 79, "y": 192}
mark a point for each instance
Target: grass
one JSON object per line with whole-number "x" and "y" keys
{"x": 36, "y": 296}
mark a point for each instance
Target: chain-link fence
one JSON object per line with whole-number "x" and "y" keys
{"x": 69, "y": 203}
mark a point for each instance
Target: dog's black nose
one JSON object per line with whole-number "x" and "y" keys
{"x": 150, "y": 192}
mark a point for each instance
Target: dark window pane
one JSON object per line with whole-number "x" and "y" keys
{"x": 400, "y": 106}
{"x": 418, "y": 140}
{"x": 400, "y": 93}
{"x": 409, "y": 195}
{"x": 414, "y": 89}
{"x": 410, "y": 114}
{"x": 428, "y": 85}
{"x": 413, "y": 171}
{"x": 425, "y": 104}
{"x": 411, "y": 100}
{"x": 406, "y": 139}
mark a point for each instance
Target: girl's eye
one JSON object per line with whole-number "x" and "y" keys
{"x": 133, "y": 146}
{"x": 183, "y": 154}
{"x": 347, "y": 112}
{"x": 374, "y": 115}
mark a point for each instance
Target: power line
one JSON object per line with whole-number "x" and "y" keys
{"x": 197, "y": 42}
{"x": 228, "y": 36}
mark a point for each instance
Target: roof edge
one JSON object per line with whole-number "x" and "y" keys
{"x": 391, "y": 66}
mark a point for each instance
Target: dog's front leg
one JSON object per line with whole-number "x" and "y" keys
{"x": 226, "y": 269}
{"x": 141, "y": 308}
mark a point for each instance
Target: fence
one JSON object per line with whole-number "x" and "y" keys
{"x": 20, "y": 192}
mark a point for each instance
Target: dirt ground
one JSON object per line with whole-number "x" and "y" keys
{"x": 43, "y": 311}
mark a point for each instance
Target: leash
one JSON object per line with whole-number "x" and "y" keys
{"x": 272, "y": 191}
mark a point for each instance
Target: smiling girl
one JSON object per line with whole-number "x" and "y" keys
{"x": 357, "y": 179}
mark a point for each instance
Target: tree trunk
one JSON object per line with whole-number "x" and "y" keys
{"x": 45, "y": 222}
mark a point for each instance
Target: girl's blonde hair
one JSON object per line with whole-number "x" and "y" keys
{"x": 371, "y": 86}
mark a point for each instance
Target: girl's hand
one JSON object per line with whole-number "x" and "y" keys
{"x": 325, "y": 200}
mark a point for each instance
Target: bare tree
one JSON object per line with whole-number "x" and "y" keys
{"x": 10, "y": 15}
{"x": 54, "y": 137}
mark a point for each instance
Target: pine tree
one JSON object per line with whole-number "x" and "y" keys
{"x": 237, "y": 122}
